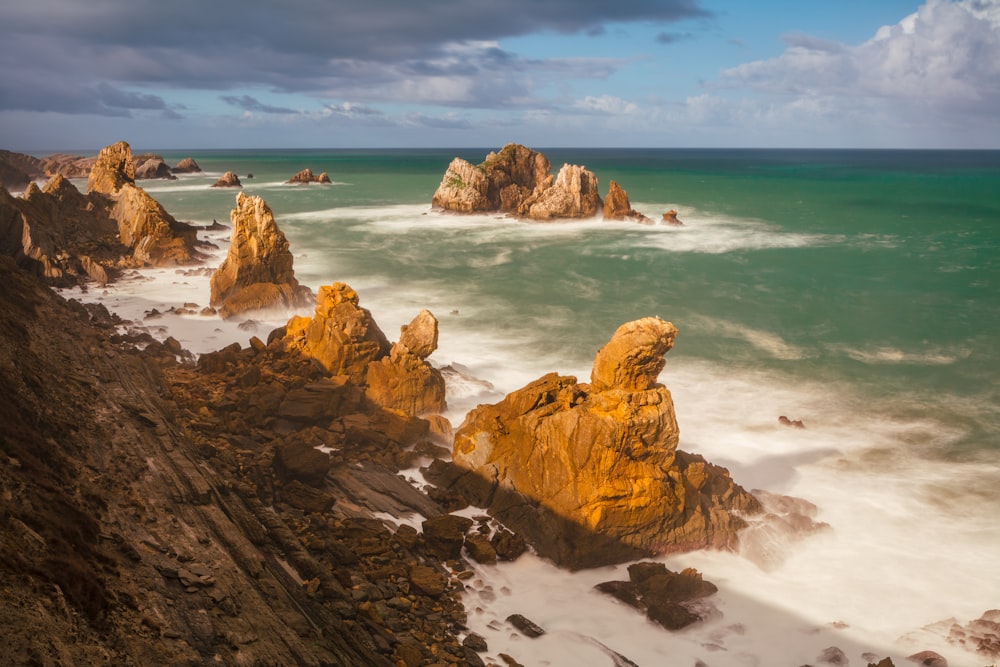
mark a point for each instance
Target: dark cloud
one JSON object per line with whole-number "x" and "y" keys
{"x": 312, "y": 46}
{"x": 673, "y": 37}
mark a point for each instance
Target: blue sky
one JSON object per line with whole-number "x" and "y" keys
{"x": 406, "y": 73}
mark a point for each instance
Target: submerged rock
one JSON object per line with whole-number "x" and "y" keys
{"x": 257, "y": 271}
{"x": 591, "y": 474}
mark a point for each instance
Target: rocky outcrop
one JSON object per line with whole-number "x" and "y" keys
{"x": 59, "y": 234}
{"x": 228, "y": 180}
{"x": 306, "y": 176}
{"x": 342, "y": 336}
{"x": 19, "y": 169}
{"x": 144, "y": 226}
{"x": 149, "y": 166}
{"x": 186, "y": 166}
{"x": 591, "y": 474}
{"x": 257, "y": 271}
{"x": 666, "y": 597}
{"x": 618, "y": 207}
{"x": 403, "y": 380}
{"x": 517, "y": 180}
{"x": 670, "y": 218}
{"x": 69, "y": 166}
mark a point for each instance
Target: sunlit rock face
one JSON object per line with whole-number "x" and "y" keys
{"x": 144, "y": 226}
{"x": 573, "y": 194}
{"x": 257, "y": 271}
{"x": 403, "y": 380}
{"x": 602, "y": 459}
{"x": 618, "y": 207}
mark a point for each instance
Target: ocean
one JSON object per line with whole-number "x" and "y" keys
{"x": 857, "y": 291}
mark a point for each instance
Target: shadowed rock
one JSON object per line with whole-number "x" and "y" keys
{"x": 618, "y": 207}
{"x": 257, "y": 271}
{"x": 404, "y": 380}
{"x": 228, "y": 180}
{"x": 187, "y": 166}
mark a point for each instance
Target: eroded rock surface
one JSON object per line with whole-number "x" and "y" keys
{"x": 306, "y": 176}
{"x": 228, "y": 180}
{"x": 591, "y": 474}
{"x": 257, "y": 271}
{"x": 618, "y": 207}
{"x": 403, "y": 380}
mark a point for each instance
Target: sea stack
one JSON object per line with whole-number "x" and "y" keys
{"x": 591, "y": 474}
{"x": 257, "y": 271}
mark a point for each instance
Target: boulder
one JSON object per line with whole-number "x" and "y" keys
{"x": 445, "y": 535}
{"x": 228, "y": 180}
{"x": 144, "y": 226}
{"x": 403, "y": 380}
{"x": 618, "y": 207}
{"x": 591, "y": 474}
{"x": 150, "y": 166}
{"x": 300, "y": 460}
{"x": 660, "y": 593}
{"x": 187, "y": 166}
{"x": 257, "y": 271}
{"x": 306, "y": 176}
{"x": 342, "y": 336}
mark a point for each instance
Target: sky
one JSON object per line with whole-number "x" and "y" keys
{"x": 190, "y": 74}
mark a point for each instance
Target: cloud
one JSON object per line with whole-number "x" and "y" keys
{"x": 673, "y": 37}
{"x": 248, "y": 103}
{"x": 943, "y": 58}
{"x": 315, "y": 47}
{"x": 605, "y": 105}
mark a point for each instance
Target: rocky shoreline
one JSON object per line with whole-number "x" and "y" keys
{"x": 164, "y": 510}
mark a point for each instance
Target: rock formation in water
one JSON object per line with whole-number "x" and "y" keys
{"x": 19, "y": 169}
{"x": 618, "y": 207}
{"x": 257, "y": 271}
{"x": 591, "y": 474}
{"x": 306, "y": 176}
{"x": 149, "y": 167}
{"x": 144, "y": 226}
{"x": 228, "y": 180}
{"x": 69, "y": 166}
{"x": 517, "y": 180}
{"x": 186, "y": 166}
{"x": 670, "y": 218}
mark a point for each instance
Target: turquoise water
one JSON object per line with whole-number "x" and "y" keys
{"x": 874, "y": 268}
{"x": 857, "y": 291}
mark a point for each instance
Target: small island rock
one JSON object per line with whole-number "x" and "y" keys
{"x": 228, "y": 180}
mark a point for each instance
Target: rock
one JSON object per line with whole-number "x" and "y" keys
{"x": 306, "y": 498}
{"x": 19, "y": 169}
{"x": 257, "y": 271}
{"x": 228, "y": 180}
{"x": 403, "y": 380}
{"x": 445, "y": 534}
{"x": 152, "y": 167}
{"x": 306, "y": 176}
{"x": 428, "y": 581}
{"x": 572, "y": 195}
{"x": 480, "y": 549}
{"x": 833, "y": 656}
{"x": 591, "y": 474}
{"x": 500, "y": 183}
{"x": 884, "y": 662}
{"x": 475, "y": 642}
{"x": 618, "y": 207}
{"x": 154, "y": 236}
{"x": 928, "y": 659}
{"x": 298, "y": 460}
{"x": 662, "y": 594}
{"x": 341, "y": 336}
{"x": 670, "y": 218}
{"x": 981, "y": 636}
{"x": 524, "y": 626}
{"x": 187, "y": 166}
{"x": 794, "y": 423}
{"x": 69, "y": 166}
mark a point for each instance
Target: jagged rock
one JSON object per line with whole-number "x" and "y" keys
{"x": 525, "y": 626}
{"x": 573, "y": 194}
{"x": 300, "y": 460}
{"x": 306, "y": 176}
{"x": 660, "y": 593}
{"x": 618, "y": 207}
{"x": 428, "y": 581}
{"x": 500, "y": 183}
{"x": 670, "y": 218}
{"x": 341, "y": 336}
{"x": 148, "y": 166}
{"x": 228, "y": 180}
{"x": 591, "y": 474}
{"x": 403, "y": 380}
{"x": 187, "y": 166}
{"x": 154, "y": 236}
{"x": 257, "y": 271}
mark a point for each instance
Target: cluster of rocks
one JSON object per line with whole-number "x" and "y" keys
{"x": 17, "y": 170}
{"x": 306, "y": 176}
{"x": 667, "y": 598}
{"x": 517, "y": 181}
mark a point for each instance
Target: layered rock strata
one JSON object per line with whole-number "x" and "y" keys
{"x": 591, "y": 474}
{"x": 257, "y": 271}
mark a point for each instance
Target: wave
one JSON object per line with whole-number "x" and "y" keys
{"x": 768, "y": 342}
{"x": 893, "y": 355}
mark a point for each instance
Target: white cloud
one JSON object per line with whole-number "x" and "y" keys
{"x": 605, "y": 104}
